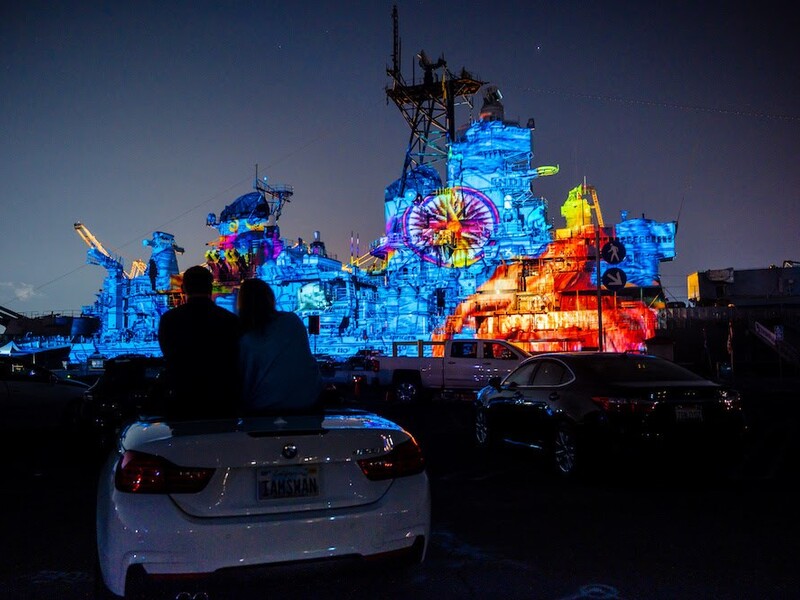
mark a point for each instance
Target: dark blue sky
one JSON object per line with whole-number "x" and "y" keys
{"x": 140, "y": 116}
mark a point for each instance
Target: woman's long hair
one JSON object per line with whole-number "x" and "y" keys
{"x": 256, "y": 304}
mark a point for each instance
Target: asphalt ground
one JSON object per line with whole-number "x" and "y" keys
{"x": 501, "y": 526}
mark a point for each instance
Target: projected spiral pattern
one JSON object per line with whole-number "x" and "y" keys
{"x": 451, "y": 228}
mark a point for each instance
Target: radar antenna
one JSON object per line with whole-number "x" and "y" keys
{"x": 274, "y": 196}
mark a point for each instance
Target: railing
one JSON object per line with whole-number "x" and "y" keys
{"x": 786, "y": 351}
{"x": 53, "y": 313}
{"x": 765, "y": 334}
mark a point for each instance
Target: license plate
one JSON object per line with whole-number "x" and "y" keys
{"x": 288, "y": 482}
{"x": 688, "y": 414}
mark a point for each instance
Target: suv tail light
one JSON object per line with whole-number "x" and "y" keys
{"x": 404, "y": 459}
{"x": 141, "y": 473}
{"x": 625, "y": 406}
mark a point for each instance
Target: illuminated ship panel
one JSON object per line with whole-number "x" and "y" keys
{"x": 473, "y": 255}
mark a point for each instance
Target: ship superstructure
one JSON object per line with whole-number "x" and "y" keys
{"x": 469, "y": 248}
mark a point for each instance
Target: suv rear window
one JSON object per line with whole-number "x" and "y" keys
{"x": 130, "y": 373}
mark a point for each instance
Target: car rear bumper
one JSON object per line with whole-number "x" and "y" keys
{"x": 151, "y": 531}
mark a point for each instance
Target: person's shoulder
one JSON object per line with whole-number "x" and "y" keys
{"x": 250, "y": 339}
{"x": 223, "y": 311}
{"x": 173, "y": 313}
{"x": 228, "y": 322}
{"x": 289, "y": 317}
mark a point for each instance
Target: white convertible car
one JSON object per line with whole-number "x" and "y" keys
{"x": 191, "y": 498}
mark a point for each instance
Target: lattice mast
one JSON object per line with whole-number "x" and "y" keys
{"x": 427, "y": 107}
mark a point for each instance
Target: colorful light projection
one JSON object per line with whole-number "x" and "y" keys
{"x": 476, "y": 255}
{"x": 450, "y": 228}
{"x": 312, "y": 297}
{"x": 550, "y": 303}
{"x": 648, "y": 243}
{"x": 246, "y": 240}
{"x": 494, "y": 158}
{"x": 541, "y": 319}
{"x": 163, "y": 264}
{"x": 476, "y": 258}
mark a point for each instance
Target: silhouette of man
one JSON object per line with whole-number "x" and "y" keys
{"x": 152, "y": 271}
{"x": 200, "y": 343}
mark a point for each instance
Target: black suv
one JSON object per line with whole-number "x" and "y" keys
{"x": 364, "y": 360}
{"x": 130, "y": 385}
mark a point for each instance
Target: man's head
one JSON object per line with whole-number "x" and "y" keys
{"x": 197, "y": 281}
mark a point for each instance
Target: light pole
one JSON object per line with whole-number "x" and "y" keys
{"x": 599, "y": 290}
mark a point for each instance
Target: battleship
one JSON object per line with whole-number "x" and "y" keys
{"x": 469, "y": 248}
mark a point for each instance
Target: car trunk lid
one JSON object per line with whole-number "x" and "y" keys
{"x": 271, "y": 465}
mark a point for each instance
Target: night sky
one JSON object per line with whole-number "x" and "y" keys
{"x": 134, "y": 117}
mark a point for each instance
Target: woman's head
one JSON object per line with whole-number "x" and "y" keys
{"x": 256, "y": 304}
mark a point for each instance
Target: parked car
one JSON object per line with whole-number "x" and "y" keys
{"x": 128, "y": 386}
{"x": 581, "y": 407}
{"x": 187, "y": 498}
{"x": 32, "y": 396}
{"x": 366, "y": 359}
{"x": 326, "y": 363}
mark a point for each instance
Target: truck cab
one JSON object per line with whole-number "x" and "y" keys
{"x": 471, "y": 363}
{"x": 458, "y": 365}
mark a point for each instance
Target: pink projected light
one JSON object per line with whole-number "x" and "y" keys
{"x": 451, "y": 228}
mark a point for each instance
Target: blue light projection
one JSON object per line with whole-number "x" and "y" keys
{"x": 474, "y": 255}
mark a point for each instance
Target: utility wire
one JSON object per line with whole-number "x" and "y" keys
{"x": 662, "y": 104}
{"x": 116, "y": 249}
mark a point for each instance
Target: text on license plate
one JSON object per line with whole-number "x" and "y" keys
{"x": 288, "y": 482}
{"x": 688, "y": 413}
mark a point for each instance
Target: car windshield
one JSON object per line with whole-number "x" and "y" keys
{"x": 130, "y": 373}
{"x": 634, "y": 368}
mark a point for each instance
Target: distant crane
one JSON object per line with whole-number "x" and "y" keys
{"x": 98, "y": 255}
{"x": 590, "y": 191}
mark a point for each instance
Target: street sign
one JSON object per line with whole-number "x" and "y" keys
{"x": 614, "y": 279}
{"x": 613, "y": 252}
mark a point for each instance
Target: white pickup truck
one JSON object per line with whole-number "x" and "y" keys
{"x": 460, "y": 364}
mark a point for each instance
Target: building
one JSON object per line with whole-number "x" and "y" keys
{"x": 745, "y": 321}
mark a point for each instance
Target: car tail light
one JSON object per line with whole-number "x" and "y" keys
{"x": 141, "y": 473}
{"x": 625, "y": 406}
{"x": 403, "y": 460}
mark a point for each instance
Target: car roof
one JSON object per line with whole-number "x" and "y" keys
{"x": 134, "y": 358}
{"x": 594, "y": 363}
{"x": 595, "y": 355}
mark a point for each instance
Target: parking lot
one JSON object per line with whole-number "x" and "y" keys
{"x": 502, "y": 526}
